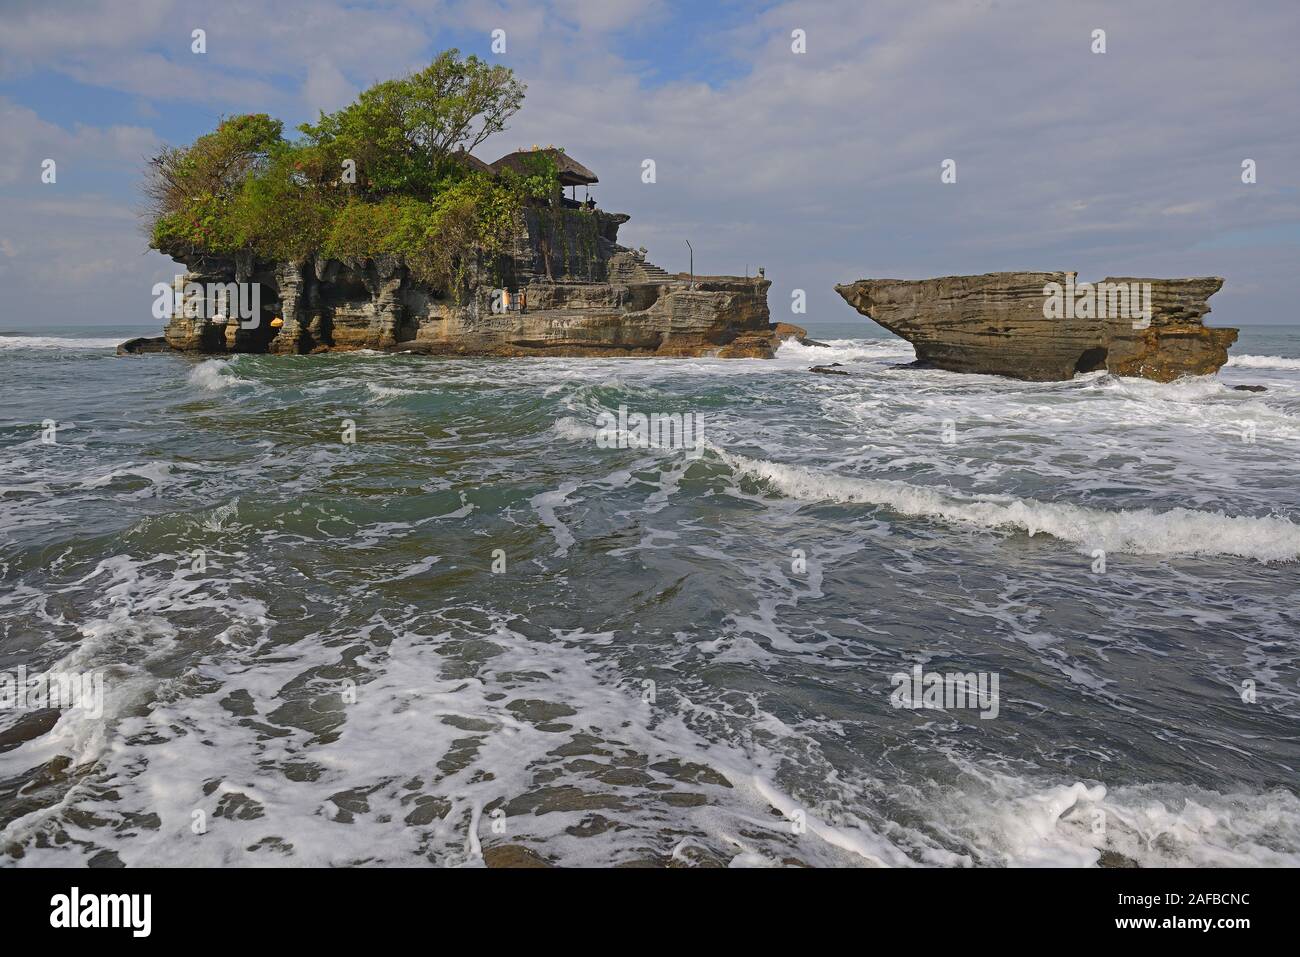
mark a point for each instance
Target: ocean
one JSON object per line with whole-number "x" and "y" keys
{"x": 473, "y": 633}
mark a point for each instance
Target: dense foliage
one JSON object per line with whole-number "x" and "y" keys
{"x": 383, "y": 175}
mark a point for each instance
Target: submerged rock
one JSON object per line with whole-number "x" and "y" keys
{"x": 513, "y": 855}
{"x": 1012, "y": 324}
{"x": 564, "y": 288}
{"x": 829, "y": 370}
{"x": 143, "y": 344}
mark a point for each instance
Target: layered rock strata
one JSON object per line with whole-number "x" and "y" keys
{"x": 1016, "y": 324}
{"x": 581, "y": 294}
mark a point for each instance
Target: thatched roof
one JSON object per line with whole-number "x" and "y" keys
{"x": 471, "y": 161}
{"x": 572, "y": 173}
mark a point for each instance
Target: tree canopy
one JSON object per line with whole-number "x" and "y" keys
{"x": 382, "y": 175}
{"x": 401, "y": 132}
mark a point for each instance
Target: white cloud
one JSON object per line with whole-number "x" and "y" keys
{"x": 28, "y": 140}
{"x": 326, "y": 89}
{"x": 77, "y": 259}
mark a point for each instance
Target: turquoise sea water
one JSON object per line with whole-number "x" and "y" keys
{"x": 678, "y": 659}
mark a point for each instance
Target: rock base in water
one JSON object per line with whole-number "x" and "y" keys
{"x": 997, "y": 324}
{"x": 563, "y": 288}
{"x": 142, "y": 345}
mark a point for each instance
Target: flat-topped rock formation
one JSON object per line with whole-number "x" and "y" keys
{"x": 566, "y": 288}
{"x": 1044, "y": 326}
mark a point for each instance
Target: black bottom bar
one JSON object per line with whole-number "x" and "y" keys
{"x": 335, "y": 907}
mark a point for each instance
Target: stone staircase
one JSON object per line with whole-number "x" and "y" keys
{"x": 629, "y": 266}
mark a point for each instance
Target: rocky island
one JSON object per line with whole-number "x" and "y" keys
{"x": 379, "y": 229}
{"x": 1045, "y": 326}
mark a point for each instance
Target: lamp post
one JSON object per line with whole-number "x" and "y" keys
{"x": 691, "y": 248}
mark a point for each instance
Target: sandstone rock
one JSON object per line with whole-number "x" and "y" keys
{"x": 995, "y": 324}
{"x": 828, "y": 370}
{"x": 788, "y": 330}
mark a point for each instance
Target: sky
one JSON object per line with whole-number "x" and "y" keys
{"x": 823, "y": 166}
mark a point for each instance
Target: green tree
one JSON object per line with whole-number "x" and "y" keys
{"x": 214, "y": 168}
{"x": 401, "y": 132}
{"x": 244, "y": 187}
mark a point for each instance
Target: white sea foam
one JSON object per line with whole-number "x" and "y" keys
{"x": 56, "y": 342}
{"x": 419, "y": 568}
{"x": 846, "y": 351}
{"x": 169, "y": 753}
{"x": 156, "y": 473}
{"x": 1185, "y": 389}
{"x": 383, "y": 392}
{"x": 212, "y": 375}
{"x": 1264, "y": 362}
{"x": 1178, "y": 531}
{"x": 546, "y": 503}
{"x": 568, "y": 427}
{"x": 1018, "y": 822}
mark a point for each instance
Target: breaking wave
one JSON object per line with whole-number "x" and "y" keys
{"x": 1263, "y": 362}
{"x": 56, "y": 342}
{"x": 382, "y": 393}
{"x": 1140, "y": 531}
{"x": 847, "y": 350}
{"x": 1014, "y": 821}
{"x": 211, "y": 375}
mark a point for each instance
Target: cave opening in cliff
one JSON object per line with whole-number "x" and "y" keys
{"x": 1092, "y": 360}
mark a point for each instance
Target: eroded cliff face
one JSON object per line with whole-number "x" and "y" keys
{"x": 996, "y": 324}
{"x": 584, "y": 295}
